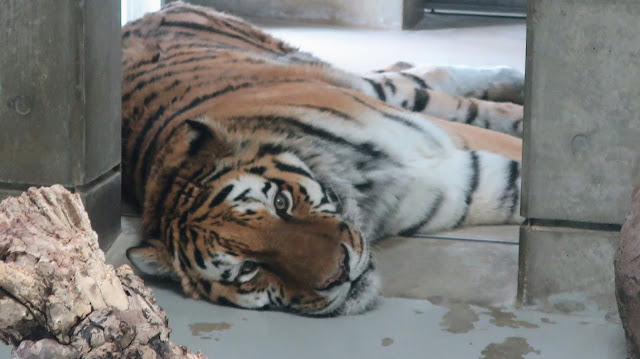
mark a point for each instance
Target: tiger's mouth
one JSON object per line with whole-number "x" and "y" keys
{"x": 361, "y": 296}
{"x": 341, "y": 275}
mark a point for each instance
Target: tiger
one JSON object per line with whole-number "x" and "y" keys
{"x": 264, "y": 174}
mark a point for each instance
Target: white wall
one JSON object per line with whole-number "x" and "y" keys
{"x": 386, "y": 14}
{"x": 133, "y": 9}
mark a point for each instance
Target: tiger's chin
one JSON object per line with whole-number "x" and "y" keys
{"x": 363, "y": 295}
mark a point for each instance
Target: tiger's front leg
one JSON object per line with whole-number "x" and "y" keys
{"x": 424, "y": 94}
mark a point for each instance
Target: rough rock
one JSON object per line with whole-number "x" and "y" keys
{"x": 627, "y": 274}
{"x": 58, "y": 298}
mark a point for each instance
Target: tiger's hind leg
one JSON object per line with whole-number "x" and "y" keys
{"x": 466, "y": 188}
{"x": 498, "y": 84}
{"x": 412, "y": 90}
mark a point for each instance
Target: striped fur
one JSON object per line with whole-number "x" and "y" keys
{"x": 264, "y": 174}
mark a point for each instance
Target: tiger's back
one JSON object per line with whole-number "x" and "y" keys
{"x": 171, "y": 61}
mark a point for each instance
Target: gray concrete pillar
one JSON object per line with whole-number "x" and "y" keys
{"x": 60, "y": 82}
{"x": 582, "y": 148}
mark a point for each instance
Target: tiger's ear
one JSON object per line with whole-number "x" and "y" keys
{"x": 207, "y": 137}
{"x": 152, "y": 258}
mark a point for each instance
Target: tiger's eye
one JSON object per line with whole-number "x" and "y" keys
{"x": 281, "y": 202}
{"x": 248, "y": 267}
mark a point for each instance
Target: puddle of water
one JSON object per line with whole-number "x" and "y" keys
{"x": 461, "y": 318}
{"x": 506, "y": 319}
{"x": 512, "y": 348}
{"x": 200, "y": 328}
{"x": 386, "y": 342}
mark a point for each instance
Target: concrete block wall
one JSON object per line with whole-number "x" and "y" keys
{"x": 582, "y": 148}
{"x": 60, "y": 83}
{"x": 384, "y": 14}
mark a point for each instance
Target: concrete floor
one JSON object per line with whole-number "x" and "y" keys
{"x": 438, "y": 39}
{"x": 462, "y": 284}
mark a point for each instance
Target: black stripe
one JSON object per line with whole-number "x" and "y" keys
{"x": 186, "y": 192}
{"x": 271, "y": 300}
{"x": 200, "y": 173}
{"x": 266, "y": 188}
{"x": 515, "y": 125}
{"x": 420, "y": 100}
{"x": 184, "y": 260}
{"x": 410, "y": 231}
{"x": 332, "y": 111}
{"x": 293, "y": 169}
{"x": 259, "y": 170}
{"x": 208, "y": 45}
{"x": 134, "y": 76}
{"x": 415, "y": 79}
{"x": 472, "y": 112}
{"x": 170, "y": 245}
{"x": 219, "y": 174}
{"x": 152, "y": 60}
{"x": 198, "y": 202}
{"x": 390, "y": 85}
{"x": 194, "y": 59}
{"x": 206, "y": 286}
{"x": 472, "y": 187}
{"x": 221, "y": 196}
{"x": 152, "y": 96}
{"x": 386, "y": 115}
{"x": 242, "y": 195}
{"x": 364, "y": 187}
{"x": 511, "y": 189}
{"x": 243, "y": 291}
{"x": 378, "y": 88}
{"x": 270, "y": 149}
{"x": 363, "y": 148}
{"x": 197, "y": 255}
{"x": 177, "y": 35}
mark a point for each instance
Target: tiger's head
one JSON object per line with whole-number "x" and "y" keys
{"x": 259, "y": 233}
